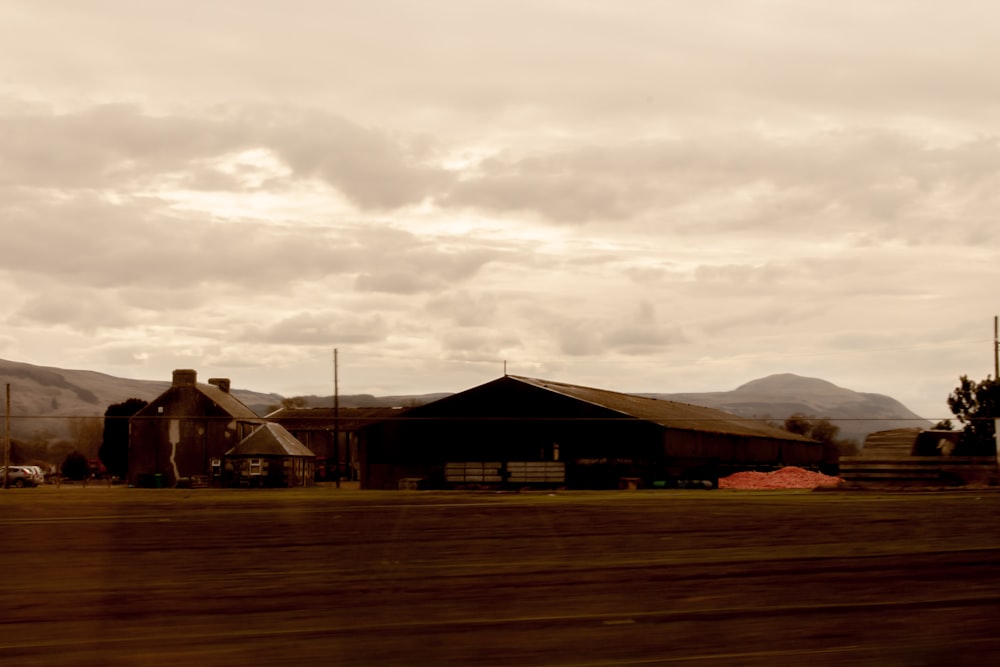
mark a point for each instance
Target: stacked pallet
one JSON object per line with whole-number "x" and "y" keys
{"x": 473, "y": 472}
{"x": 512, "y": 472}
{"x": 927, "y": 471}
{"x": 536, "y": 472}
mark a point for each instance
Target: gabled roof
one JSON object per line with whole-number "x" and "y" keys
{"x": 668, "y": 414}
{"x": 270, "y": 440}
{"x": 226, "y": 401}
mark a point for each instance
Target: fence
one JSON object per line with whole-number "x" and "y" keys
{"x": 929, "y": 471}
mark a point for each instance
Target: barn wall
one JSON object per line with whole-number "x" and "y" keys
{"x": 597, "y": 454}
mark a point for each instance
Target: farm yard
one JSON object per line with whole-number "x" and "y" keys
{"x": 116, "y": 576}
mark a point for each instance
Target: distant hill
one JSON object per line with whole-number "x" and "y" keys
{"x": 369, "y": 401}
{"x": 43, "y": 399}
{"x": 780, "y": 396}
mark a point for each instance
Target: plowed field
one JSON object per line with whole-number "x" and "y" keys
{"x": 115, "y": 576}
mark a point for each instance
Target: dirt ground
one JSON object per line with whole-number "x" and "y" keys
{"x": 323, "y": 576}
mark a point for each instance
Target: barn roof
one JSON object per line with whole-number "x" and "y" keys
{"x": 348, "y": 419}
{"x": 270, "y": 440}
{"x": 669, "y": 414}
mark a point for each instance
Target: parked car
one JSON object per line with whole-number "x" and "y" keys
{"x": 18, "y": 476}
{"x": 37, "y": 472}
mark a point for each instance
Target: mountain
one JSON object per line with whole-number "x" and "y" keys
{"x": 777, "y": 397}
{"x": 46, "y": 401}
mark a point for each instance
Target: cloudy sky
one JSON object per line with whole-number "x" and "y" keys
{"x": 648, "y": 195}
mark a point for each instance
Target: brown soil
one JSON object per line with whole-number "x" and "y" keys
{"x": 116, "y": 576}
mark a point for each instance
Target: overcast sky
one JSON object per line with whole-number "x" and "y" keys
{"x": 648, "y": 196}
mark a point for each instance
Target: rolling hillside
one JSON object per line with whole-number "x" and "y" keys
{"x": 780, "y": 396}
{"x": 45, "y": 399}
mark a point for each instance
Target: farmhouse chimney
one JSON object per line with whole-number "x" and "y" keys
{"x": 221, "y": 383}
{"x": 185, "y": 377}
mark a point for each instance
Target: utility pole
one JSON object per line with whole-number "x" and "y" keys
{"x": 6, "y": 442}
{"x": 336, "y": 414}
{"x": 996, "y": 378}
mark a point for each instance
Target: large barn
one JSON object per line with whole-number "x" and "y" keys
{"x": 520, "y": 431}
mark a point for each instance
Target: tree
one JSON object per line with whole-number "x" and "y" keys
{"x": 114, "y": 444}
{"x": 295, "y": 402}
{"x": 976, "y": 404}
{"x": 824, "y": 432}
{"x": 85, "y": 432}
{"x": 75, "y": 466}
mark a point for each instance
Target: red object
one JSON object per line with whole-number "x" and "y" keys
{"x": 784, "y": 478}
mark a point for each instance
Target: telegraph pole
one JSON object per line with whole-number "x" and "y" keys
{"x": 336, "y": 414}
{"x": 996, "y": 378}
{"x": 6, "y": 441}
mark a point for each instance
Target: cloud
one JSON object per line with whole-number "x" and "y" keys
{"x": 121, "y": 146}
{"x": 595, "y": 190}
{"x": 372, "y": 168}
{"x": 875, "y": 183}
{"x": 872, "y": 183}
{"x": 464, "y": 308}
{"x": 318, "y": 328}
{"x": 109, "y": 145}
{"x": 642, "y": 333}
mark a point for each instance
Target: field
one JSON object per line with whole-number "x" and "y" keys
{"x": 323, "y": 576}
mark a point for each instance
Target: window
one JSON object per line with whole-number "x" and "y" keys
{"x": 255, "y": 466}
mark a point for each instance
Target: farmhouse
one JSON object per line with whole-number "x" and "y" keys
{"x": 521, "y": 431}
{"x": 186, "y": 431}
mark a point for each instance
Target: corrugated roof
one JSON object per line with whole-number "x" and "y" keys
{"x": 349, "y": 419}
{"x": 270, "y": 440}
{"x": 669, "y": 414}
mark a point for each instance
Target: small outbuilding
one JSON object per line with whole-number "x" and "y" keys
{"x": 520, "y": 431}
{"x": 271, "y": 457}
